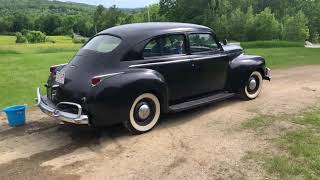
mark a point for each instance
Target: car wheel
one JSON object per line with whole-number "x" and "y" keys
{"x": 253, "y": 86}
{"x": 144, "y": 114}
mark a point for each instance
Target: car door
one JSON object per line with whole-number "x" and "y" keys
{"x": 167, "y": 55}
{"x": 209, "y": 61}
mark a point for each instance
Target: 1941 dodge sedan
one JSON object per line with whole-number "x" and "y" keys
{"x": 134, "y": 73}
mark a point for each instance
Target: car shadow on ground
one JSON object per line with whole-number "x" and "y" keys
{"x": 83, "y": 136}
{"x": 29, "y": 128}
{"x": 82, "y": 133}
{"x": 177, "y": 119}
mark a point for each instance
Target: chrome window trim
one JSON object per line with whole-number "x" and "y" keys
{"x": 159, "y": 63}
{"x": 164, "y": 57}
{"x": 185, "y": 40}
{"x": 209, "y": 57}
{"x": 218, "y": 48}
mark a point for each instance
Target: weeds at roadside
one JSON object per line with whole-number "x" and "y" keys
{"x": 299, "y": 150}
{"x": 258, "y": 122}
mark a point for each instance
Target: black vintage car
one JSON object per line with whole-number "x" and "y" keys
{"x": 134, "y": 73}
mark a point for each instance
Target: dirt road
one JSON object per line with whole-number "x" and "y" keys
{"x": 206, "y": 143}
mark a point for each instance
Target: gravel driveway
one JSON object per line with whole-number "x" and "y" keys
{"x": 205, "y": 143}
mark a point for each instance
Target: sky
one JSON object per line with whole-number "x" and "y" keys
{"x": 119, "y": 3}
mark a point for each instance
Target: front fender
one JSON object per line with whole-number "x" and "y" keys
{"x": 241, "y": 68}
{"x": 114, "y": 96}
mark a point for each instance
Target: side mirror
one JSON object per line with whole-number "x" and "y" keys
{"x": 225, "y": 42}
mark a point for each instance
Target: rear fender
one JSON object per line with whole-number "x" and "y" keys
{"x": 141, "y": 81}
{"x": 114, "y": 96}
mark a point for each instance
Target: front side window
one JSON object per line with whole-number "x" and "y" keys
{"x": 103, "y": 43}
{"x": 165, "y": 46}
{"x": 202, "y": 43}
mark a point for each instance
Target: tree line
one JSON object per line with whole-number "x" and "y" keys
{"x": 250, "y": 20}
{"x": 241, "y": 20}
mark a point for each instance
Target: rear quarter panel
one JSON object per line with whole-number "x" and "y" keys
{"x": 111, "y": 100}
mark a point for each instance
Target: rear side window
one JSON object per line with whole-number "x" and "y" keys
{"x": 165, "y": 46}
{"x": 202, "y": 43}
{"x": 103, "y": 43}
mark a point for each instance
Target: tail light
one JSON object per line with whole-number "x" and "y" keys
{"x": 95, "y": 81}
{"x": 53, "y": 69}
{"x": 98, "y": 79}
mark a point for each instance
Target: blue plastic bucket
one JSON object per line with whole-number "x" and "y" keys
{"x": 16, "y": 115}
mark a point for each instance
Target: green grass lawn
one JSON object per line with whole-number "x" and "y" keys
{"x": 62, "y": 44}
{"x": 21, "y": 74}
{"x": 287, "y": 57}
{"x": 270, "y": 44}
{"x": 24, "y": 67}
{"x": 299, "y": 150}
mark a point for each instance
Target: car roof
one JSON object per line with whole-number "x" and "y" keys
{"x": 141, "y": 31}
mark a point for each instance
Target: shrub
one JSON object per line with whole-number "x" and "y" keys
{"x": 35, "y": 37}
{"x": 237, "y": 26}
{"x": 79, "y": 40}
{"x": 24, "y": 32}
{"x": 20, "y": 38}
{"x": 315, "y": 38}
{"x": 50, "y": 40}
{"x": 295, "y": 28}
{"x": 265, "y": 26}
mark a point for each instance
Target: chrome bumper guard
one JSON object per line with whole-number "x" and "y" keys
{"x": 268, "y": 74}
{"x": 54, "y": 111}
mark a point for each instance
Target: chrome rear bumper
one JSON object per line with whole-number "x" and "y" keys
{"x": 53, "y": 111}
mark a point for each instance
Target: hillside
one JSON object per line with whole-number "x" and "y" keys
{"x": 56, "y": 17}
{"x": 30, "y": 7}
{"x": 10, "y": 7}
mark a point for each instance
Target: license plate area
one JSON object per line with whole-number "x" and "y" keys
{"x": 60, "y": 76}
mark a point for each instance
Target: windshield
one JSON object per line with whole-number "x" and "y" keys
{"x": 103, "y": 43}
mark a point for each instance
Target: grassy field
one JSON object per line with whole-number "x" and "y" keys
{"x": 62, "y": 44}
{"x": 270, "y": 44}
{"x": 287, "y": 57}
{"x": 299, "y": 150}
{"x": 23, "y": 67}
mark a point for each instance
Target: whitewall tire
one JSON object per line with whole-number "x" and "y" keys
{"x": 144, "y": 114}
{"x": 252, "y": 89}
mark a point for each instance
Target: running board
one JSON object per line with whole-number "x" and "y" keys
{"x": 200, "y": 102}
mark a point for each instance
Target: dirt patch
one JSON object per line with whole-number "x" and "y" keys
{"x": 204, "y": 143}
{"x": 280, "y": 128}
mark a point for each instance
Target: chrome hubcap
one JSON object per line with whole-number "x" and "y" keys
{"x": 144, "y": 111}
{"x": 252, "y": 84}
